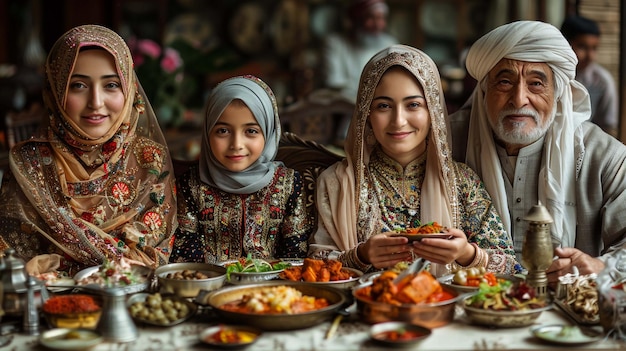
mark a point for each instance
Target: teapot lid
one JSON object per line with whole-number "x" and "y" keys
{"x": 13, "y": 271}
{"x": 539, "y": 213}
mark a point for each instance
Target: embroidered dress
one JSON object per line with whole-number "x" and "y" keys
{"x": 217, "y": 226}
{"x": 87, "y": 199}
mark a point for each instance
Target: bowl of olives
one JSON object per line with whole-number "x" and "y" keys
{"x": 160, "y": 310}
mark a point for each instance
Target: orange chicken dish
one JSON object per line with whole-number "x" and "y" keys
{"x": 412, "y": 289}
{"x": 313, "y": 270}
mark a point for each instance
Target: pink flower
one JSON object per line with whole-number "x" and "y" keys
{"x": 171, "y": 60}
{"x": 149, "y": 47}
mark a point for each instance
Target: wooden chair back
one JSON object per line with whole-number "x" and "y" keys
{"x": 21, "y": 125}
{"x": 321, "y": 119}
{"x": 310, "y": 159}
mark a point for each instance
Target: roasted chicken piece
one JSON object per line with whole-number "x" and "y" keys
{"x": 293, "y": 273}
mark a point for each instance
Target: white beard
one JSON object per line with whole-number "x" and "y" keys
{"x": 516, "y": 136}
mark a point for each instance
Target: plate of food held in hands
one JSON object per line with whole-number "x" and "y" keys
{"x": 327, "y": 272}
{"x": 430, "y": 230}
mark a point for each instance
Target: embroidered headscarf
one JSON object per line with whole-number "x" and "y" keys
{"x": 532, "y": 41}
{"x": 93, "y": 198}
{"x": 261, "y": 101}
{"x": 439, "y": 190}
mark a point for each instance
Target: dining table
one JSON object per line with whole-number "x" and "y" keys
{"x": 351, "y": 334}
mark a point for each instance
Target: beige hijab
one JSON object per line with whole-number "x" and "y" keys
{"x": 439, "y": 191}
{"x": 94, "y": 199}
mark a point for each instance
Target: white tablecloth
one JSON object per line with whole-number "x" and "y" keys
{"x": 351, "y": 335}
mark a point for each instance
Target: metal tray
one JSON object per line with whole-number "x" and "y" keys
{"x": 573, "y": 315}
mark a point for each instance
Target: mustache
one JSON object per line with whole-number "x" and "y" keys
{"x": 520, "y": 112}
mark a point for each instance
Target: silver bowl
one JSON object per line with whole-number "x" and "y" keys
{"x": 339, "y": 284}
{"x": 254, "y": 277}
{"x": 335, "y": 297}
{"x": 143, "y": 273}
{"x": 190, "y": 288}
{"x": 503, "y": 318}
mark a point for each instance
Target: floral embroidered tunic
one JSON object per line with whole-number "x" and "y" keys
{"x": 216, "y": 226}
{"x": 133, "y": 205}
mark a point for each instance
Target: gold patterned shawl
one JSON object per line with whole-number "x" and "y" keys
{"x": 346, "y": 199}
{"x": 91, "y": 199}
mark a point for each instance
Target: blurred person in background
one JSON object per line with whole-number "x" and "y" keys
{"x": 583, "y": 35}
{"x": 345, "y": 54}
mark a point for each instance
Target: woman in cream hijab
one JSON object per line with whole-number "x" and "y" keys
{"x": 97, "y": 183}
{"x": 399, "y": 173}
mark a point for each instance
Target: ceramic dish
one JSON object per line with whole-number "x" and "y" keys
{"x": 566, "y": 334}
{"x": 60, "y": 285}
{"x": 229, "y": 336}
{"x": 418, "y": 237}
{"x": 70, "y": 339}
{"x": 369, "y": 277}
{"x": 144, "y": 311}
{"x": 398, "y": 334}
{"x": 448, "y": 280}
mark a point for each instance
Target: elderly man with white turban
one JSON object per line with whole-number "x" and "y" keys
{"x": 525, "y": 132}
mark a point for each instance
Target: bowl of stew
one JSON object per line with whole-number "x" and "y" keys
{"x": 436, "y": 311}
{"x": 287, "y": 305}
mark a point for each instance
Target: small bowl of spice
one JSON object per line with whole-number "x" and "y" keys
{"x": 72, "y": 311}
{"x": 229, "y": 336}
{"x": 398, "y": 334}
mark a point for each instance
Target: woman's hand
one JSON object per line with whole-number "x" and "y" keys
{"x": 444, "y": 251}
{"x": 383, "y": 251}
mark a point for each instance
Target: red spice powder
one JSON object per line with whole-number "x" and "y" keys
{"x": 73, "y": 303}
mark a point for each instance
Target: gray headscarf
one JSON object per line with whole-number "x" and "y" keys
{"x": 261, "y": 101}
{"x": 563, "y": 150}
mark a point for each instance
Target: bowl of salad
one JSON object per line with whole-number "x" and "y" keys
{"x": 251, "y": 270}
{"x": 505, "y": 305}
{"x": 121, "y": 274}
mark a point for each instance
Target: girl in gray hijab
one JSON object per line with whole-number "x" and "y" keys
{"x": 238, "y": 200}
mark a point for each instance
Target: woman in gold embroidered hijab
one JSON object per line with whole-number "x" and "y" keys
{"x": 370, "y": 192}
{"x": 90, "y": 198}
